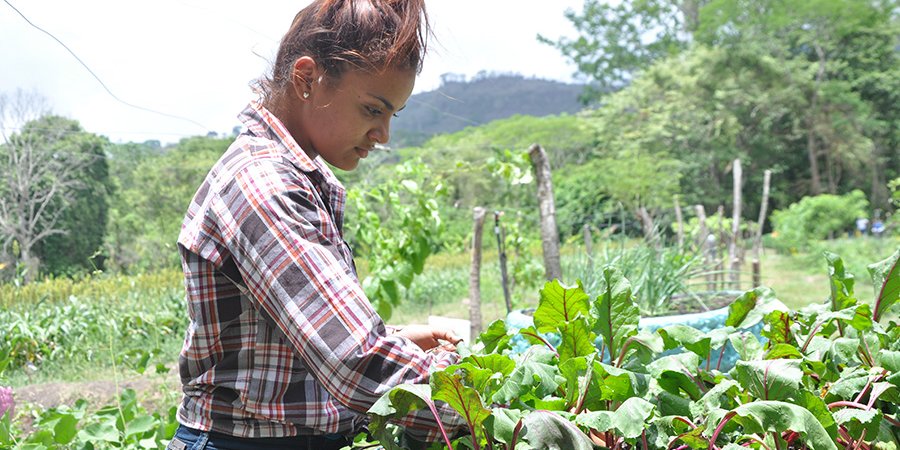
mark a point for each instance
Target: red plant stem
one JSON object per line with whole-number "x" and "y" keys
{"x": 683, "y": 447}
{"x": 712, "y": 441}
{"x": 758, "y": 441}
{"x": 868, "y": 352}
{"x": 863, "y": 392}
{"x": 621, "y": 357}
{"x": 777, "y": 438}
{"x": 860, "y": 441}
{"x": 515, "y": 436}
{"x": 685, "y": 420}
{"x": 440, "y": 424}
{"x": 875, "y": 315}
{"x": 644, "y": 439}
{"x": 721, "y": 355}
{"x": 676, "y": 440}
{"x": 708, "y": 357}
{"x": 848, "y": 404}
{"x": 892, "y": 421}
{"x": 815, "y": 329}
{"x": 538, "y": 337}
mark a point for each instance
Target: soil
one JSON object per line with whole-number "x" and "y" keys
{"x": 154, "y": 393}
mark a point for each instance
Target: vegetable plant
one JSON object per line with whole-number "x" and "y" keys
{"x": 824, "y": 377}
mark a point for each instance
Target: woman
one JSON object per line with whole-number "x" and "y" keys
{"x": 283, "y": 349}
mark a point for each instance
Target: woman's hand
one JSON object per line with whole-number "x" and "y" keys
{"x": 430, "y": 337}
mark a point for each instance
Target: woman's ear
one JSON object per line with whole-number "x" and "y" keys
{"x": 304, "y": 72}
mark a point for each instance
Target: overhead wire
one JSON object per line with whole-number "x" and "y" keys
{"x": 96, "y": 77}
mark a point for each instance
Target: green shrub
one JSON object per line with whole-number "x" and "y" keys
{"x": 816, "y": 218}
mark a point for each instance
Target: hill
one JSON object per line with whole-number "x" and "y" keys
{"x": 459, "y": 103}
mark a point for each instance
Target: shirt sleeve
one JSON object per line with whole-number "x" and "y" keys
{"x": 298, "y": 278}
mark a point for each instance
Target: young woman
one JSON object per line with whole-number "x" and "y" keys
{"x": 283, "y": 349}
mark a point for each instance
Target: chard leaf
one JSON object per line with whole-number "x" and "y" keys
{"x": 668, "y": 426}
{"x": 549, "y": 403}
{"x": 719, "y": 397}
{"x": 630, "y": 419}
{"x": 548, "y": 430}
{"x": 783, "y": 351}
{"x": 777, "y": 379}
{"x": 535, "y": 374}
{"x": 398, "y": 402}
{"x": 449, "y": 387}
{"x": 778, "y": 330}
{"x": 751, "y": 307}
{"x": 889, "y": 360}
{"x": 859, "y": 423}
{"x": 817, "y": 407}
{"x": 774, "y": 416}
{"x": 495, "y": 338}
{"x": 559, "y": 304}
{"x": 620, "y": 384}
{"x": 578, "y": 372}
{"x": 747, "y": 345}
{"x": 501, "y": 424}
{"x": 690, "y": 338}
{"x": 617, "y": 314}
{"x": 577, "y": 339}
{"x": 676, "y": 374}
{"x": 472, "y": 375}
{"x": 886, "y": 277}
{"x": 842, "y": 296}
{"x": 494, "y": 362}
{"x": 673, "y": 405}
{"x": 848, "y": 386}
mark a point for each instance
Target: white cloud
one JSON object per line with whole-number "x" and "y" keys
{"x": 196, "y": 58}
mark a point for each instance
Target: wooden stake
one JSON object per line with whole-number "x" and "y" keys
{"x": 680, "y": 221}
{"x": 733, "y": 257}
{"x": 549, "y": 232}
{"x": 475, "y": 274}
{"x": 707, "y": 246}
{"x": 757, "y": 240}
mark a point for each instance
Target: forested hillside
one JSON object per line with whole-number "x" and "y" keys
{"x": 460, "y": 103}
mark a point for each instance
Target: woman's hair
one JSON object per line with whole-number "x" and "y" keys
{"x": 367, "y": 35}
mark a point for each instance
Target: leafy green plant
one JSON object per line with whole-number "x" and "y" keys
{"x": 816, "y": 218}
{"x": 824, "y": 377}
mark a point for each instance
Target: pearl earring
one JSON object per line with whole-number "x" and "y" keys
{"x": 306, "y": 95}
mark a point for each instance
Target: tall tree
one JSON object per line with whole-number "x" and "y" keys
{"x": 615, "y": 41}
{"x": 39, "y": 178}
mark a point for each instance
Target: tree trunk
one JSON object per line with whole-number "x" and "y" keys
{"x": 549, "y": 232}
{"x": 811, "y": 151}
{"x": 760, "y": 223}
{"x": 475, "y": 274}
{"x": 680, "y": 221}
{"x": 706, "y": 246}
{"x": 733, "y": 256}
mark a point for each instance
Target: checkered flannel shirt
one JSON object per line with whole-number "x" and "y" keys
{"x": 282, "y": 340}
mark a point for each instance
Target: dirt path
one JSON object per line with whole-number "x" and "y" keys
{"x": 152, "y": 392}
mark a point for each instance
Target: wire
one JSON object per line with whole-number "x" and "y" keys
{"x": 173, "y": 116}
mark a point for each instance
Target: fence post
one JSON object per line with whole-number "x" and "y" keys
{"x": 475, "y": 274}
{"x": 680, "y": 221}
{"x": 501, "y": 251}
{"x": 734, "y": 258}
{"x": 757, "y": 240}
{"x": 549, "y": 232}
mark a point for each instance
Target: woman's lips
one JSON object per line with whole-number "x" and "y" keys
{"x": 362, "y": 152}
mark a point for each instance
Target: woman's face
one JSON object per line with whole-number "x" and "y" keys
{"x": 343, "y": 119}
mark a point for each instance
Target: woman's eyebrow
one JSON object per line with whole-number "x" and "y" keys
{"x": 387, "y": 104}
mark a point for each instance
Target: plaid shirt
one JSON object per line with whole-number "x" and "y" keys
{"x": 282, "y": 340}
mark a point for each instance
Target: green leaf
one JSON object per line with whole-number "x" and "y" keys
{"x": 139, "y": 425}
{"x": 677, "y": 374}
{"x": 494, "y": 362}
{"x": 751, "y": 307}
{"x": 777, "y": 379}
{"x": 577, "y": 339}
{"x": 858, "y": 422}
{"x": 783, "y": 351}
{"x": 778, "y": 330}
{"x": 746, "y": 345}
{"x": 690, "y": 338}
{"x": 629, "y": 419}
{"x": 501, "y": 424}
{"x": 547, "y": 430}
{"x": 559, "y": 304}
{"x": 448, "y": 386}
{"x": 617, "y": 314}
{"x": 773, "y": 416}
{"x": 620, "y": 384}
{"x": 889, "y": 360}
{"x": 65, "y": 429}
{"x": 842, "y": 295}
{"x": 495, "y": 337}
{"x": 535, "y": 374}
{"x": 886, "y": 277}
{"x": 104, "y": 431}
{"x": 397, "y": 402}
{"x": 720, "y": 396}
{"x": 673, "y": 405}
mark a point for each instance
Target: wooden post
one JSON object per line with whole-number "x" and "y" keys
{"x": 549, "y": 232}
{"x": 733, "y": 257}
{"x": 680, "y": 220}
{"x": 720, "y": 246}
{"x": 757, "y": 240}
{"x": 501, "y": 251}
{"x": 588, "y": 241}
{"x": 706, "y": 246}
{"x": 475, "y": 274}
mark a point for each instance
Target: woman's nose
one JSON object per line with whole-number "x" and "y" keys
{"x": 380, "y": 134}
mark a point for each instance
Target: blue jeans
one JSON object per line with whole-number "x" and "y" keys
{"x": 190, "y": 439}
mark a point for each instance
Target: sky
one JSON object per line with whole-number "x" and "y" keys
{"x": 195, "y": 59}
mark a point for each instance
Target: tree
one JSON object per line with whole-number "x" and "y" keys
{"x": 616, "y": 41}
{"x": 39, "y": 177}
{"x": 85, "y": 219}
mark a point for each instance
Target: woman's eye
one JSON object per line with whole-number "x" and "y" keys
{"x": 373, "y": 111}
